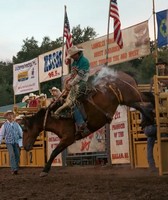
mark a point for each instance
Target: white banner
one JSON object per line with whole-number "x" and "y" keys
{"x": 52, "y": 142}
{"x": 50, "y": 65}
{"x": 119, "y": 140}
{"x": 93, "y": 143}
{"x": 136, "y": 44}
{"x": 25, "y": 77}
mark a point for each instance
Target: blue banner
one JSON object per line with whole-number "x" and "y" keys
{"x": 162, "y": 22}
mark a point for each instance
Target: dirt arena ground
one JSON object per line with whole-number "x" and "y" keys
{"x": 83, "y": 183}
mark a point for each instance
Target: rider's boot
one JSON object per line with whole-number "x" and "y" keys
{"x": 83, "y": 130}
{"x": 68, "y": 103}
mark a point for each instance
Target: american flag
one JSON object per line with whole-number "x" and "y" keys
{"x": 67, "y": 34}
{"x": 117, "y": 24}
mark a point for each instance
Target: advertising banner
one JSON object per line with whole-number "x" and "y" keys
{"x": 119, "y": 140}
{"x": 52, "y": 142}
{"x": 50, "y": 65}
{"x": 25, "y": 77}
{"x": 136, "y": 44}
{"x": 93, "y": 143}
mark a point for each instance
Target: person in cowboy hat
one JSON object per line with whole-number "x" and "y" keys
{"x": 26, "y": 100}
{"x": 18, "y": 119}
{"x": 33, "y": 102}
{"x": 55, "y": 92}
{"x": 162, "y": 70}
{"x": 12, "y": 132}
{"x": 77, "y": 84}
{"x": 162, "y": 67}
{"x": 42, "y": 100}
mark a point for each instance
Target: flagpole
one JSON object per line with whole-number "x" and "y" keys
{"x": 107, "y": 126}
{"x": 107, "y": 42}
{"x": 39, "y": 76}
{"x": 154, "y": 23}
{"x": 64, "y": 153}
{"x": 62, "y": 71}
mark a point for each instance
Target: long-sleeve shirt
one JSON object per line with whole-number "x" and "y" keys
{"x": 11, "y": 131}
{"x": 33, "y": 103}
{"x": 79, "y": 70}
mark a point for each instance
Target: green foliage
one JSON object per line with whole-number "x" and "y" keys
{"x": 29, "y": 51}
{"x": 79, "y": 36}
{"x": 48, "y": 45}
{"x": 6, "y": 80}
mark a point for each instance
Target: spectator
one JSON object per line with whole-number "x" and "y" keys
{"x": 12, "y": 132}
{"x": 33, "y": 102}
{"x": 150, "y": 130}
{"x": 18, "y": 119}
{"x": 26, "y": 100}
{"x": 55, "y": 92}
{"x": 162, "y": 70}
{"x": 42, "y": 100}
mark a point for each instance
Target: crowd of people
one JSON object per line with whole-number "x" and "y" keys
{"x": 33, "y": 100}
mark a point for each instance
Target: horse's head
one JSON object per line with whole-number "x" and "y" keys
{"x": 32, "y": 126}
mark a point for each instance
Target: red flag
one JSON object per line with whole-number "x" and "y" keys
{"x": 117, "y": 24}
{"x": 67, "y": 35}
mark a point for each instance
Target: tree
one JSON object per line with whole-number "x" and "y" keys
{"x": 79, "y": 36}
{"x": 29, "y": 51}
{"x": 6, "y": 80}
{"x": 48, "y": 45}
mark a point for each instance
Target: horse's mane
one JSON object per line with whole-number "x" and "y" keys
{"x": 36, "y": 116}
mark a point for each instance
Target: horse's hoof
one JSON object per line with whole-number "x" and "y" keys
{"x": 43, "y": 174}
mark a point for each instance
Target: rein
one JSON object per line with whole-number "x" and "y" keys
{"x": 51, "y": 106}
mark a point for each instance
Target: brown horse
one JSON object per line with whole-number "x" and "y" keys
{"x": 112, "y": 88}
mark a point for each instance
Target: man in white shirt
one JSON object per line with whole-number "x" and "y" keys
{"x": 12, "y": 132}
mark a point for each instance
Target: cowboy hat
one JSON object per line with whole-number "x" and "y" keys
{"x": 42, "y": 95}
{"x": 32, "y": 95}
{"x": 73, "y": 50}
{"x": 54, "y": 89}
{"x": 161, "y": 62}
{"x": 25, "y": 98}
{"x": 8, "y": 112}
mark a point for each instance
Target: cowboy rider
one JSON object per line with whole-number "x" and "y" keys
{"x": 76, "y": 84}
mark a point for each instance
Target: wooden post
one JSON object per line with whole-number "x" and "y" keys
{"x": 155, "y": 45}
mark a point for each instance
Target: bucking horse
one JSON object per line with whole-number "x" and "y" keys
{"x": 109, "y": 89}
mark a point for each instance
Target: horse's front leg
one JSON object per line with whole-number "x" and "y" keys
{"x": 64, "y": 143}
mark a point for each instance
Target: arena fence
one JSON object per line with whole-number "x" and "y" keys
{"x": 161, "y": 101}
{"x": 34, "y": 158}
{"x": 139, "y": 142}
